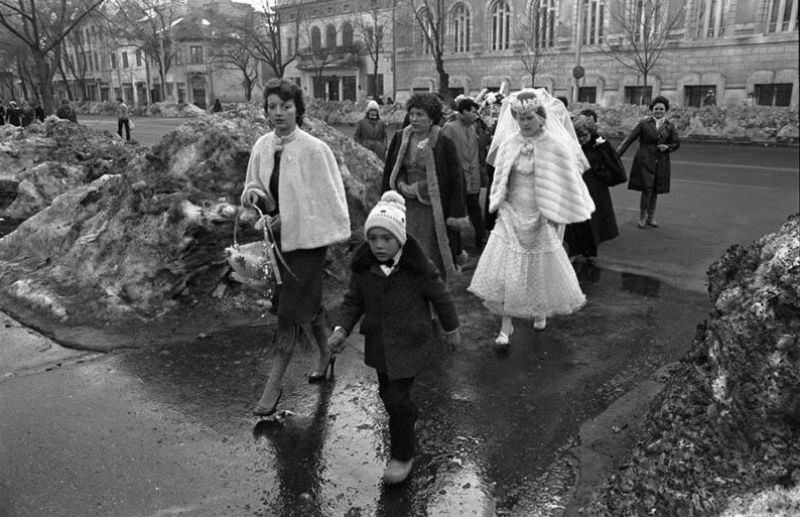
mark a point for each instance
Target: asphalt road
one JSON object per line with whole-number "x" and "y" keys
{"x": 163, "y": 430}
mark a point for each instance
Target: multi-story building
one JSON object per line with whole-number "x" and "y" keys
{"x": 102, "y": 65}
{"x": 704, "y": 51}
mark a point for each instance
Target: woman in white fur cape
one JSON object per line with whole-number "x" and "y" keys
{"x": 524, "y": 271}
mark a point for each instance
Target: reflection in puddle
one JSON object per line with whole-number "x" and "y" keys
{"x": 642, "y": 285}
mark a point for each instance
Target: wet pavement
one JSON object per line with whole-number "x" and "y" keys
{"x": 165, "y": 430}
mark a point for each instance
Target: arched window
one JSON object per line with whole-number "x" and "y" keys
{"x": 316, "y": 38}
{"x": 347, "y": 34}
{"x": 543, "y": 21}
{"x": 783, "y": 16}
{"x": 501, "y": 25}
{"x": 593, "y": 16}
{"x": 710, "y": 18}
{"x": 461, "y": 28}
{"x": 330, "y": 36}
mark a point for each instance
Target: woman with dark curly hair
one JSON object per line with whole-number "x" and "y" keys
{"x": 650, "y": 172}
{"x": 294, "y": 178}
{"x": 423, "y": 166}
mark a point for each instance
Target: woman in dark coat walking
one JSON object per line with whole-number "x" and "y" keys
{"x": 423, "y": 166}
{"x": 606, "y": 170}
{"x": 650, "y": 172}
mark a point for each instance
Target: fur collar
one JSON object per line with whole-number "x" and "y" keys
{"x": 412, "y": 259}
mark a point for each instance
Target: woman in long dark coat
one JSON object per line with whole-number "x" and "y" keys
{"x": 423, "y": 166}
{"x": 606, "y": 170}
{"x": 650, "y": 172}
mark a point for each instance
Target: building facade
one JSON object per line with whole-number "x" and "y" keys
{"x": 697, "y": 52}
{"x": 101, "y": 65}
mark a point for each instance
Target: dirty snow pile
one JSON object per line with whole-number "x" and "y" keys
{"x": 115, "y": 232}
{"x": 728, "y": 421}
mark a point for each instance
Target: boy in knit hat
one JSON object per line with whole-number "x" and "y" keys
{"x": 393, "y": 286}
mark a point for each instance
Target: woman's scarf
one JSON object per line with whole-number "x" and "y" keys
{"x": 434, "y": 194}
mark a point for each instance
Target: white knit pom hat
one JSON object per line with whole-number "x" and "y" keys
{"x": 389, "y": 214}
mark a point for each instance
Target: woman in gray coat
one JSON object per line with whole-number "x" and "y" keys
{"x": 650, "y": 172}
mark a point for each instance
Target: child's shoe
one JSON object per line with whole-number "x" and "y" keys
{"x": 397, "y": 471}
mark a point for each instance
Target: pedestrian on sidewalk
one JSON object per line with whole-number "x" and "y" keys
{"x": 605, "y": 170}
{"x": 524, "y": 271}
{"x": 650, "y": 172}
{"x": 293, "y": 177}
{"x": 14, "y": 114}
{"x": 123, "y": 119}
{"x": 371, "y": 131}
{"x": 393, "y": 287}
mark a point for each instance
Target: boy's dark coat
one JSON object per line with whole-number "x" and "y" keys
{"x": 395, "y": 309}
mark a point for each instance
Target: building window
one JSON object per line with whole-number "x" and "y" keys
{"x": 124, "y": 59}
{"x": 774, "y": 94}
{"x": 587, "y": 94}
{"x": 196, "y": 55}
{"x": 460, "y": 27}
{"x": 783, "y": 16}
{"x": 347, "y": 34}
{"x": 179, "y": 56}
{"x": 113, "y": 61}
{"x": 645, "y": 19}
{"x": 592, "y": 21}
{"x": 543, "y": 21}
{"x": 501, "y": 25}
{"x": 330, "y": 36}
{"x": 638, "y": 94}
{"x": 139, "y": 57}
{"x": 96, "y": 61}
{"x": 698, "y": 96}
{"x": 316, "y": 38}
{"x": 711, "y": 18}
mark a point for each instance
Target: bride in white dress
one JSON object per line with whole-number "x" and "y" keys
{"x": 524, "y": 271}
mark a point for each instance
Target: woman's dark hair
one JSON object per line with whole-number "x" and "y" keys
{"x": 660, "y": 100}
{"x": 286, "y": 90}
{"x": 427, "y": 102}
{"x": 590, "y": 113}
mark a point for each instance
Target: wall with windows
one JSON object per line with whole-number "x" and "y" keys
{"x": 715, "y": 52}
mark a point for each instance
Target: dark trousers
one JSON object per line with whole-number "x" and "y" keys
{"x": 127, "y": 125}
{"x": 396, "y": 397}
{"x": 476, "y": 218}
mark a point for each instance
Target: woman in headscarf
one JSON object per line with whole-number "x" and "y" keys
{"x": 423, "y": 166}
{"x": 294, "y": 177}
{"x": 371, "y": 131}
{"x": 524, "y": 271}
{"x": 605, "y": 170}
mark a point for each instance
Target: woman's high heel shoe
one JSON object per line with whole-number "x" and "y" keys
{"x": 317, "y": 377}
{"x": 264, "y": 412}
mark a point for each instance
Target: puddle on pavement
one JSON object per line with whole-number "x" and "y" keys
{"x": 489, "y": 427}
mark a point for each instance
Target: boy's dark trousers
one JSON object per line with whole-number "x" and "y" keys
{"x": 396, "y": 396}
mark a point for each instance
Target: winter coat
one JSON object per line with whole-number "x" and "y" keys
{"x": 451, "y": 180}
{"x": 372, "y": 135}
{"x": 399, "y": 337}
{"x": 313, "y": 206}
{"x": 651, "y": 167}
{"x": 605, "y": 170}
{"x": 471, "y": 153}
{"x": 14, "y": 115}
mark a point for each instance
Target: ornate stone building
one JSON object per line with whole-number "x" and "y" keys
{"x": 695, "y": 51}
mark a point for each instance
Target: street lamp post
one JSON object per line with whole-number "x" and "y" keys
{"x": 579, "y": 39}
{"x": 394, "y": 51}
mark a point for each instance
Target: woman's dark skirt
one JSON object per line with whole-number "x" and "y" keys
{"x": 299, "y": 299}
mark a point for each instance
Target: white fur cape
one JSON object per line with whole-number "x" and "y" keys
{"x": 561, "y": 194}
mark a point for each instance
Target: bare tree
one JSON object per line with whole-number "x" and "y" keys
{"x": 73, "y": 58}
{"x": 645, "y": 26}
{"x": 531, "y": 43}
{"x": 370, "y": 35}
{"x": 265, "y": 39}
{"x": 42, "y": 25}
{"x": 429, "y": 16}
{"x": 231, "y": 44}
{"x": 150, "y": 23}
